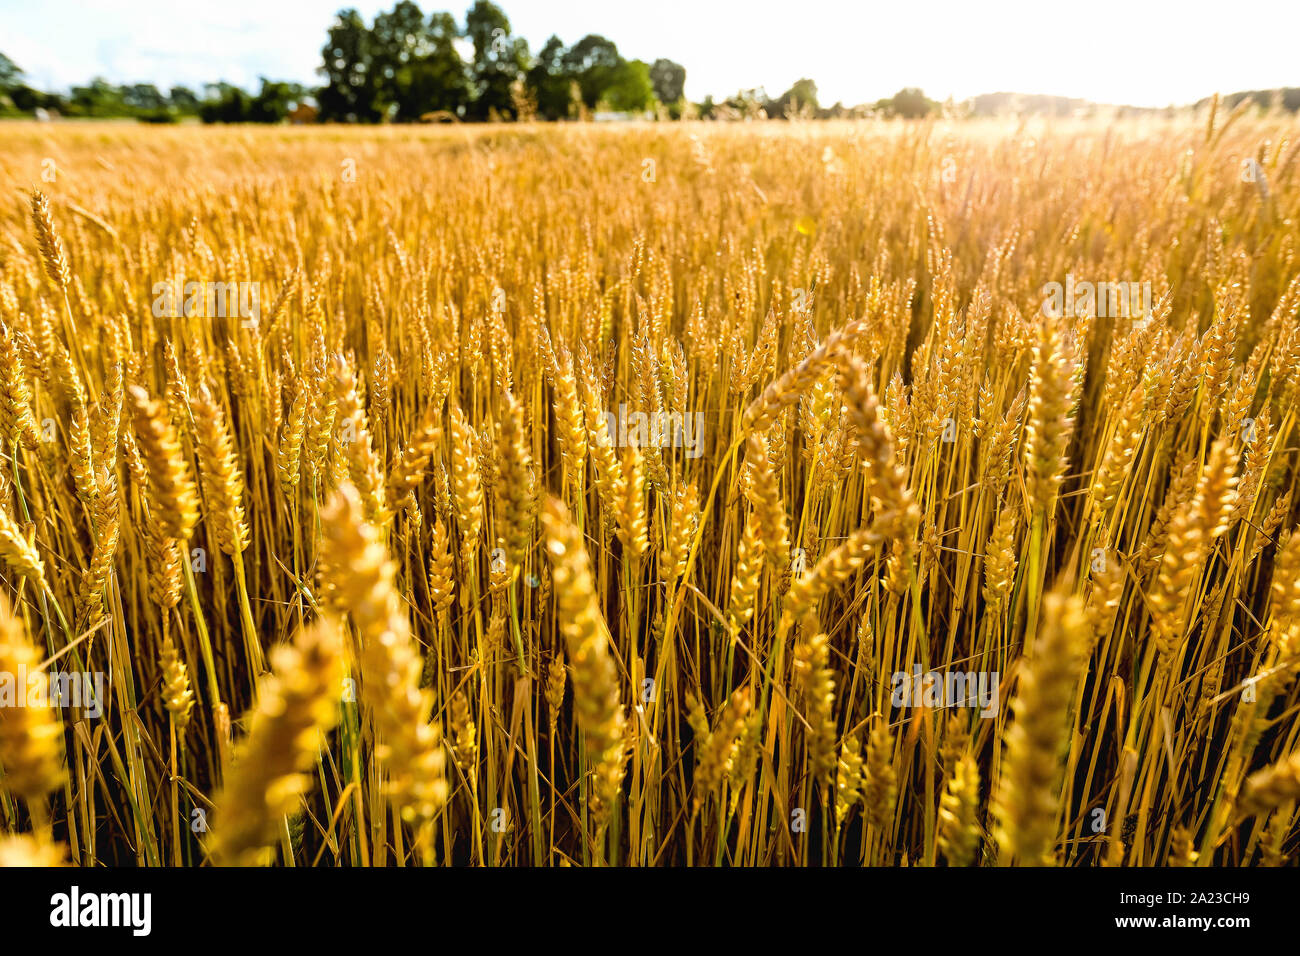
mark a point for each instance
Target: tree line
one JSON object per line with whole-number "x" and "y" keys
{"x": 404, "y": 68}
{"x": 220, "y": 102}
{"x": 408, "y": 67}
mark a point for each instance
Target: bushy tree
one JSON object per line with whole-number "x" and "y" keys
{"x": 909, "y": 103}
{"x": 668, "y": 79}
{"x": 183, "y": 100}
{"x": 351, "y": 89}
{"x": 10, "y": 74}
{"x": 142, "y": 97}
{"x": 17, "y": 97}
{"x": 548, "y": 81}
{"x": 398, "y": 41}
{"x": 98, "y": 98}
{"x": 801, "y": 98}
{"x": 629, "y": 89}
{"x": 499, "y": 59}
{"x": 274, "y": 101}
{"x": 594, "y": 62}
{"x": 440, "y": 80}
{"x": 225, "y": 103}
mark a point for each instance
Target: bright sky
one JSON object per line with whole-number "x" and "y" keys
{"x": 1141, "y": 52}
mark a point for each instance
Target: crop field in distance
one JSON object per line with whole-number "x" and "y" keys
{"x": 763, "y": 494}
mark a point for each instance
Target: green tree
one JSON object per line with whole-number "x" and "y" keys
{"x": 350, "y": 93}
{"x": 399, "y": 42}
{"x": 225, "y": 103}
{"x": 909, "y": 103}
{"x": 143, "y": 98}
{"x": 548, "y": 81}
{"x": 17, "y": 97}
{"x": 100, "y": 98}
{"x": 593, "y": 61}
{"x": 499, "y": 59}
{"x": 799, "y": 98}
{"x": 10, "y": 74}
{"x": 439, "y": 80}
{"x": 629, "y": 89}
{"x": 27, "y": 99}
{"x": 184, "y": 100}
{"x": 274, "y": 101}
{"x": 668, "y": 79}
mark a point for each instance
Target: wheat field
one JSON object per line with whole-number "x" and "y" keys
{"x": 673, "y": 494}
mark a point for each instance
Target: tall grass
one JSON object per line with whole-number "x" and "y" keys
{"x": 375, "y": 581}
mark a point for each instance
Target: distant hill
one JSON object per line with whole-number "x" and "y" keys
{"x": 1288, "y": 97}
{"x": 1037, "y": 104}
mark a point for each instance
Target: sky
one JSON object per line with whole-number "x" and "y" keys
{"x": 1139, "y": 52}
